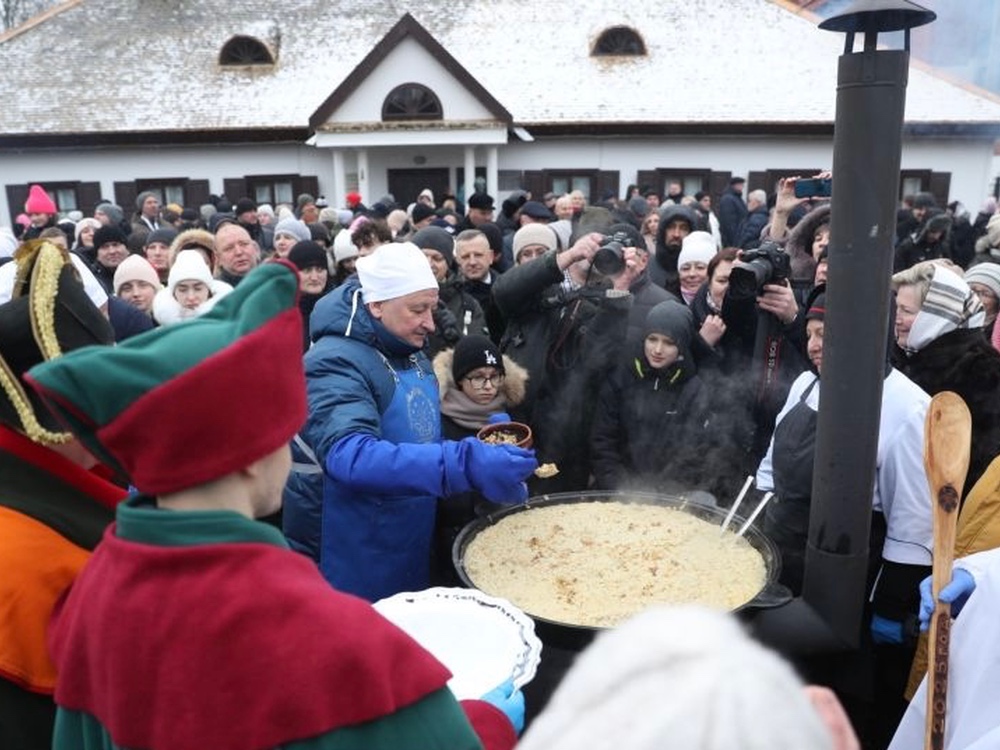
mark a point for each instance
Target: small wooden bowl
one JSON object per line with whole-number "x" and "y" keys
{"x": 522, "y": 433}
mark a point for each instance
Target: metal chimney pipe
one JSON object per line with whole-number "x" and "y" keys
{"x": 867, "y": 148}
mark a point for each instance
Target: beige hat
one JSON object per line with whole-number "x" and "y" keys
{"x": 534, "y": 234}
{"x": 136, "y": 268}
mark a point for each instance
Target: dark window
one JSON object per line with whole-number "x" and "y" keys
{"x": 411, "y": 101}
{"x": 619, "y": 40}
{"x": 245, "y": 50}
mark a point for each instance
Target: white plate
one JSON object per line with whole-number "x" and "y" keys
{"x": 482, "y": 640}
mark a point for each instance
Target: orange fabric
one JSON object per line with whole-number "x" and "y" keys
{"x": 38, "y": 565}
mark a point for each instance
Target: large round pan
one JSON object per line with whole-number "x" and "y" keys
{"x": 576, "y": 637}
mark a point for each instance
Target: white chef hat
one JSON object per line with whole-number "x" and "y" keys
{"x": 394, "y": 270}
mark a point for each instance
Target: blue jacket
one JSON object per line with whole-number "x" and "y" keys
{"x": 374, "y": 430}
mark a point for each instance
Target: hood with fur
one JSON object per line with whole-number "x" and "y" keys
{"x": 514, "y": 386}
{"x": 799, "y": 244}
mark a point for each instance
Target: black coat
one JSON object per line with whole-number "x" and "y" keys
{"x": 964, "y": 362}
{"x": 567, "y": 341}
{"x": 732, "y": 209}
{"x": 651, "y": 429}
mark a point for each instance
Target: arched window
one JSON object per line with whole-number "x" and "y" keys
{"x": 411, "y": 101}
{"x": 619, "y": 40}
{"x": 245, "y": 50}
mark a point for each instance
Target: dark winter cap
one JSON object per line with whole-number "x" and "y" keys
{"x": 420, "y": 212}
{"x": 472, "y": 352}
{"x": 639, "y": 207}
{"x": 249, "y": 343}
{"x": 671, "y": 318}
{"x": 219, "y": 220}
{"x": 307, "y": 254}
{"x": 438, "y": 239}
{"x": 320, "y": 234}
{"x": 537, "y": 210}
{"x": 244, "y": 205}
{"x": 482, "y": 201}
{"x": 107, "y": 234}
{"x": 493, "y": 235}
{"x": 166, "y": 235}
{"x": 736, "y": 180}
{"x": 113, "y": 212}
{"x": 924, "y": 200}
{"x": 817, "y": 307}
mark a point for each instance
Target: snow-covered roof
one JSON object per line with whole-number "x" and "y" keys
{"x": 113, "y": 66}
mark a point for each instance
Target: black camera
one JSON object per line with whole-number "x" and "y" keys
{"x": 767, "y": 264}
{"x": 610, "y": 256}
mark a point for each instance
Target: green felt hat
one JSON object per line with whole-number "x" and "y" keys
{"x": 185, "y": 404}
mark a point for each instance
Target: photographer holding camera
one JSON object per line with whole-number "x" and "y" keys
{"x": 566, "y": 325}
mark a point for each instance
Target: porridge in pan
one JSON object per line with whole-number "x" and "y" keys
{"x": 597, "y": 563}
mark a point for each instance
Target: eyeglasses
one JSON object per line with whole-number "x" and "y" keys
{"x": 480, "y": 381}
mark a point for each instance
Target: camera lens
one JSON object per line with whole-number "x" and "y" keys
{"x": 609, "y": 259}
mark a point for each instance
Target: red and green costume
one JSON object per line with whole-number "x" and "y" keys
{"x": 201, "y": 629}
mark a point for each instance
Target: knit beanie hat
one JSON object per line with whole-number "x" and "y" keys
{"x": 84, "y": 223}
{"x": 114, "y": 213}
{"x": 39, "y": 201}
{"x": 190, "y": 265}
{"x": 727, "y": 692}
{"x": 438, "y": 239}
{"x": 307, "y": 254}
{"x": 110, "y": 233}
{"x": 137, "y": 268}
{"x": 293, "y": 228}
{"x": 817, "y": 307}
{"x": 534, "y": 234}
{"x": 249, "y": 343}
{"x": 987, "y": 274}
{"x": 697, "y": 247}
{"x": 394, "y": 270}
{"x": 343, "y": 246}
{"x": 671, "y": 318}
{"x": 164, "y": 235}
{"x": 475, "y": 351}
{"x": 141, "y": 198}
{"x": 244, "y": 205}
{"x": 420, "y": 212}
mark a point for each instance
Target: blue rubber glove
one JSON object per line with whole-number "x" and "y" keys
{"x": 956, "y": 593}
{"x": 499, "y": 417}
{"x": 498, "y": 471}
{"x": 510, "y": 700}
{"x": 885, "y": 630}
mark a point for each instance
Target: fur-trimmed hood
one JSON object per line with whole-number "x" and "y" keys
{"x": 191, "y": 238}
{"x": 514, "y": 386}
{"x": 799, "y": 244}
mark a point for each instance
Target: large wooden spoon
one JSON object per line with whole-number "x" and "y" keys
{"x": 947, "y": 443}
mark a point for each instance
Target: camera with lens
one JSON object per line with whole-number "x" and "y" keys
{"x": 767, "y": 264}
{"x": 610, "y": 256}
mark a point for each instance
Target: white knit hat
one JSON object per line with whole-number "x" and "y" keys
{"x": 394, "y": 270}
{"x": 190, "y": 265}
{"x": 698, "y": 247}
{"x": 136, "y": 268}
{"x": 678, "y": 677}
{"x": 343, "y": 247}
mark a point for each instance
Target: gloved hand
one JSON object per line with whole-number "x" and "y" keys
{"x": 510, "y": 700}
{"x": 498, "y": 471}
{"x": 499, "y": 418}
{"x": 446, "y": 324}
{"x": 956, "y": 593}
{"x": 885, "y": 630}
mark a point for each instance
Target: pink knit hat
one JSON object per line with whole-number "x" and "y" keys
{"x": 39, "y": 201}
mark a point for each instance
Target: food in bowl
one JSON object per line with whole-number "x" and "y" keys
{"x": 598, "y": 563}
{"x": 501, "y": 436}
{"x": 510, "y": 433}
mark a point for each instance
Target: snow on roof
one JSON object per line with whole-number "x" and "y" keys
{"x": 152, "y": 65}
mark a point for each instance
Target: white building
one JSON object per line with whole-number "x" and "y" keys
{"x": 105, "y": 98}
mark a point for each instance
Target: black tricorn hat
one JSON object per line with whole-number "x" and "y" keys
{"x": 48, "y": 314}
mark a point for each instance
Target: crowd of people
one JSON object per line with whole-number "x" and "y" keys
{"x": 628, "y": 334}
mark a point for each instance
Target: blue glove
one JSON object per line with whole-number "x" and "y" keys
{"x": 510, "y": 700}
{"x": 885, "y": 630}
{"x": 499, "y": 417}
{"x": 497, "y": 471}
{"x": 956, "y": 593}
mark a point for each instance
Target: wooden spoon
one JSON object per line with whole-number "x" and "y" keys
{"x": 947, "y": 443}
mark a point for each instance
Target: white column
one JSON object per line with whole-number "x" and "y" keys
{"x": 470, "y": 171}
{"x": 363, "y": 176}
{"x": 339, "y": 180}
{"x": 492, "y": 169}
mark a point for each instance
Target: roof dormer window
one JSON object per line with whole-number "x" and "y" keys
{"x": 412, "y": 101}
{"x": 245, "y": 50}
{"x": 619, "y": 41}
